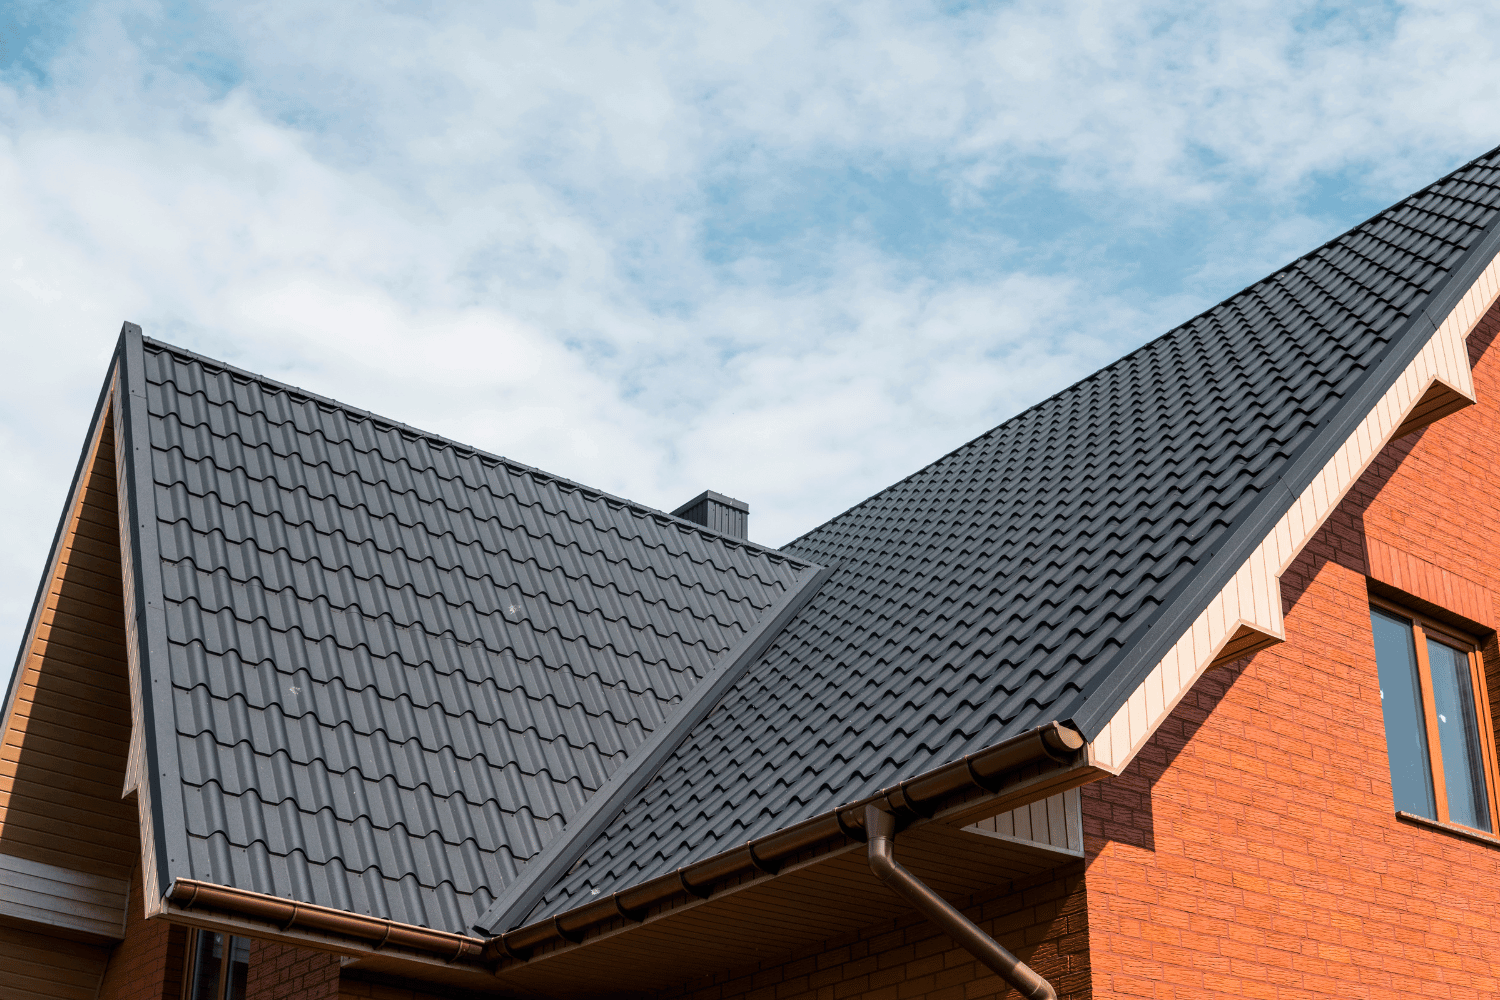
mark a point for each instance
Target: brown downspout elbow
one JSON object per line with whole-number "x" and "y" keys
{"x": 880, "y": 828}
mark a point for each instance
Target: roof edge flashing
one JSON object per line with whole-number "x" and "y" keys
{"x": 147, "y": 615}
{"x": 1143, "y": 648}
{"x": 1245, "y": 615}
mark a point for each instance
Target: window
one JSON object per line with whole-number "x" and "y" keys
{"x": 1437, "y": 720}
{"x": 218, "y": 967}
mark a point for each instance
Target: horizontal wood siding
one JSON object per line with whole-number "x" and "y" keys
{"x": 37, "y": 966}
{"x": 62, "y": 760}
{"x": 70, "y": 900}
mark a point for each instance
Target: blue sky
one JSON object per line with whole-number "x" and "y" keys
{"x": 787, "y": 251}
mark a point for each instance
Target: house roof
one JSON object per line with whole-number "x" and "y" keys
{"x": 383, "y": 670}
{"x": 1040, "y": 571}
{"x": 387, "y": 668}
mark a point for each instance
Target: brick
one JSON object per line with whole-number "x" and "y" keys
{"x": 1257, "y": 821}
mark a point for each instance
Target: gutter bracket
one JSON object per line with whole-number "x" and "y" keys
{"x": 768, "y": 867}
{"x": 991, "y": 786}
{"x": 852, "y": 832}
{"x": 510, "y": 952}
{"x": 635, "y": 916}
{"x": 881, "y": 827}
{"x": 574, "y": 937}
{"x": 702, "y": 892}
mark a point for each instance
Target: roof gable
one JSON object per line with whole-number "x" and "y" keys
{"x": 386, "y": 669}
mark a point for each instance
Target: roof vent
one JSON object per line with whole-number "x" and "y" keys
{"x": 718, "y": 512}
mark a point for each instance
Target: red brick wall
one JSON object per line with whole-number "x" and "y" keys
{"x": 284, "y": 972}
{"x": 147, "y": 964}
{"x": 1251, "y": 849}
{"x": 1042, "y": 919}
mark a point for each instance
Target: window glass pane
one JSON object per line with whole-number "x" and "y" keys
{"x": 1458, "y": 735}
{"x": 1401, "y": 704}
{"x": 239, "y": 968}
{"x": 207, "y": 957}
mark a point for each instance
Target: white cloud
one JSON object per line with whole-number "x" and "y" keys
{"x": 507, "y": 223}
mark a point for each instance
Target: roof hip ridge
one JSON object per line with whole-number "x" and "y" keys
{"x": 542, "y": 870}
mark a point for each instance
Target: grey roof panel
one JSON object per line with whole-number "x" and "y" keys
{"x": 397, "y": 666}
{"x": 1029, "y": 575}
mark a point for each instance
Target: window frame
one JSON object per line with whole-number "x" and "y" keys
{"x": 1424, "y": 627}
{"x": 190, "y": 961}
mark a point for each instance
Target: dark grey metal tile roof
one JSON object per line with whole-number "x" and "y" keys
{"x": 398, "y": 666}
{"x": 1038, "y": 572}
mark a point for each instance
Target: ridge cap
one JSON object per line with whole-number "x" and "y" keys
{"x": 662, "y": 516}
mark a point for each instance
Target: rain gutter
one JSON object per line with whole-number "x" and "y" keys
{"x": 915, "y": 800}
{"x": 288, "y": 914}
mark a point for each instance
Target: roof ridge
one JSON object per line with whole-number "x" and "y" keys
{"x": 640, "y": 766}
{"x": 479, "y": 453}
{"x": 1091, "y": 376}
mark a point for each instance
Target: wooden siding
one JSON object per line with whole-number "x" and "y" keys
{"x": 1246, "y": 614}
{"x": 63, "y": 753}
{"x": 1054, "y": 823}
{"x": 74, "y": 902}
{"x": 39, "y": 967}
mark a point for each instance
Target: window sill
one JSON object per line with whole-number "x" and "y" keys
{"x": 1479, "y": 836}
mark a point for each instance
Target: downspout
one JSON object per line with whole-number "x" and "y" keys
{"x": 880, "y": 828}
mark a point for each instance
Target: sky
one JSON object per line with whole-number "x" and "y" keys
{"x": 790, "y": 252}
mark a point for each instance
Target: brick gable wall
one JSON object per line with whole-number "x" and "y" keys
{"x": 1251, "y": 849}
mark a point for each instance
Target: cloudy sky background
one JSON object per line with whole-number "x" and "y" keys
{"x": 787, "y": 251}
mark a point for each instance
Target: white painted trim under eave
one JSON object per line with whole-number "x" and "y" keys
{"x": 1252, "y": 599}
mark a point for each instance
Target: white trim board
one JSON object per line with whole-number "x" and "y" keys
{"x": 1251, "y": 601}
{"x": 1054, "y": 824}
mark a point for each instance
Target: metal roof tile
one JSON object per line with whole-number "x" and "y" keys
{"x": 347, "y": 669}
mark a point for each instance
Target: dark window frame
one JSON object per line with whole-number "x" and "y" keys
{"x": 1426, "y": 627}
{"x": 223, "y": 988}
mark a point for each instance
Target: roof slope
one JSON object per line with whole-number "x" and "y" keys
{"x": 1036, "y": 573}
{"x": 397, "y": 666}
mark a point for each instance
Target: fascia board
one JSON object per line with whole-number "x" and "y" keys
{"x": 542, "y": 871}
{"x": 138, "y": 521}
{"x": 1252, "y": 597}
{"x": 1145, "y": 645}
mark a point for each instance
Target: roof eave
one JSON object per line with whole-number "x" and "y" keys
{"x": 1033, "y": 765}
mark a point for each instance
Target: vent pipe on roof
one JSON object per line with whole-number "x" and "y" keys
{"x": 718, "y": 512}
{"x": 880, "y": 829}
